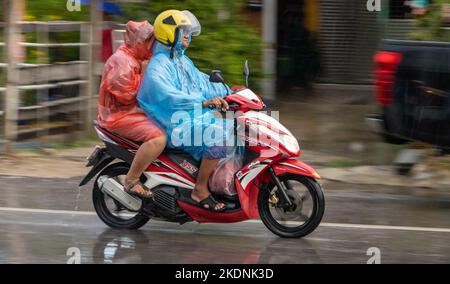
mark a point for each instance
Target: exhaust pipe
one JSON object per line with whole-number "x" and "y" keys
{"x": 116, "y": 191}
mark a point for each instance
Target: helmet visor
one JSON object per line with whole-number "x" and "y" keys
{"x": 196, "y": 28}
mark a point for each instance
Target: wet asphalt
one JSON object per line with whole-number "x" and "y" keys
{"x": 43, "y": 220}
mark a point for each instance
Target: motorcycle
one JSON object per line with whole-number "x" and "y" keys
{"x": 273, "y": 185}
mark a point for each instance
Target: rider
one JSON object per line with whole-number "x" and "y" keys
{"x": 118, "y": 108}
{"x": 171, "y": 84}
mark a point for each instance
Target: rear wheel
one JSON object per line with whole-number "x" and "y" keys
{"x": 110, "y": 211}
{"x": 303, "y": 217}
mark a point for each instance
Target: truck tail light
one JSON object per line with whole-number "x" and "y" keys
{"x": 386, "y": 66}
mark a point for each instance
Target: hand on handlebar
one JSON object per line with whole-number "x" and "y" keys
{"x": 216, "y": 103}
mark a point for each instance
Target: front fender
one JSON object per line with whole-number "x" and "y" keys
{"x": 293, "y": 166}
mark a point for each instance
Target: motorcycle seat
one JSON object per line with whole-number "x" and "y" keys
{"x": 118, "y": 138}
{"x": 186, "y": 161}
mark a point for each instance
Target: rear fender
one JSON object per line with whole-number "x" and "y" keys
{"x": 104, "y": 160}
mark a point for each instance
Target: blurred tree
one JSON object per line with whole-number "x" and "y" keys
{"x": 226, "y": 40}
{"x": 430, "y": 26}
{"x": 53, "y": 10}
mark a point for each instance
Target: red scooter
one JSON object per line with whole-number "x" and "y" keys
{"x": 273, "y": 185}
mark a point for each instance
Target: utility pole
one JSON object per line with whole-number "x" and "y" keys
{"x": 269, "y": 64}
{"x": 14, "y": 10}
{"x": 96, "y": 19}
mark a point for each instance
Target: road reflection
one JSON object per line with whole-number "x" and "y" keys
{"x": 117, "y": 246}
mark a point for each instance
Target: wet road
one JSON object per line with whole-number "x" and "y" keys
{"x": 40, "y": 219}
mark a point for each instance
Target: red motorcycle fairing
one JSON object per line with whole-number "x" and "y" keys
{"x": 248, "y": 182}
{"x": 245, "y": 101}
{"x": 202, "y": 215}
{"x": 248, "y": 199}
{"x": 293, "y": 166}
{"x": 255, "y": 176}
{"x": 165, "y": 168}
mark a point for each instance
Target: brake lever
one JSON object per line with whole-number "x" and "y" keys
{"x": 233, "y": 106}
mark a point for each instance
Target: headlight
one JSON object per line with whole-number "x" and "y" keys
{"x": 291, "y": 143}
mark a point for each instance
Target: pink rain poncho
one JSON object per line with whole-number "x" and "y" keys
{"x": 118, "y": 108}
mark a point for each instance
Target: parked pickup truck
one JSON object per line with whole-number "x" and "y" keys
{"x": 412, "y": 88}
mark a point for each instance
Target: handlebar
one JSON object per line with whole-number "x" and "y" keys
{"x": 231, "y": 106}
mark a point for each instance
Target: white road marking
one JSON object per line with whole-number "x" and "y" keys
{"x": 330, "y": 225}
{"x": 372, "y": 227}
{"x": 46, "y": 211}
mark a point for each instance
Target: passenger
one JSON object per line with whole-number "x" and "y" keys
{"x": 118, "y": 109}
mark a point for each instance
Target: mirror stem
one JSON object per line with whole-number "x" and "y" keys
{"x": 226, "y": 88}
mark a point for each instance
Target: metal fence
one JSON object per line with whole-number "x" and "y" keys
{"x": 3, "y": 66}
{"x": 348, "y": 38}
{"x": 50, "y": 97}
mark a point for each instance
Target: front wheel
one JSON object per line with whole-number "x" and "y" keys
{"x": 308, "y": 206}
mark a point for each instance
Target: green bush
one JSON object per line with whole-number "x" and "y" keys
{"x": 51, "y": 10}
{"x": 226, "y": 41}
{"x": 430, "y": 26}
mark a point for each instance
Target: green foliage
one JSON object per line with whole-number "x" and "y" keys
{"x": 52, "y": 10}
{"x": 29, "y": 98}
{"x": 429, "y": 27}
{"x": 226, "y": 41}
{"x": 341, "y": 163}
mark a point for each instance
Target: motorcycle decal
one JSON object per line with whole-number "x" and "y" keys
{"x": 297, "y": 167}
{"x": 242, "y": 173}
{"x": 252, "y": 165}
{"x": 157, "y": 178}
{"x": 157, "y": 163}
{"x": 175, "y": 178}
{"x": 167, "y": 166}
{"x": 189, "y": 167}
{"x": 250, "y": 175}
{"x": 293, "y": 166}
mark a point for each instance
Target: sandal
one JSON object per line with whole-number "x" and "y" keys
{"x": 144, "y": 193}
{"x": 211, "y": 202}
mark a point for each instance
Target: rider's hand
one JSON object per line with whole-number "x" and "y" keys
{"x": 218, "y": 103}
{"x": 225, "y": 105}
{"x": 144, "y": 65}
{"x": 212, "y": 102}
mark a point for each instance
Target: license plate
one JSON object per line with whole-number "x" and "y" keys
{"x": 95, "y": 155}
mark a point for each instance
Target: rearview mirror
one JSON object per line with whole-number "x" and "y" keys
{"x": 246, "y": 72}
{"x": 216, "y": 77}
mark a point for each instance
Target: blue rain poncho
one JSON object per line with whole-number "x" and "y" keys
{"x": 172, "y": 92}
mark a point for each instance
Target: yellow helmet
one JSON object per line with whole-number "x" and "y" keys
{"x": 166, "y": 26}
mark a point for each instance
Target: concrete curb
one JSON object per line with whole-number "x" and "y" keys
{"x": 385, "y": 175}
